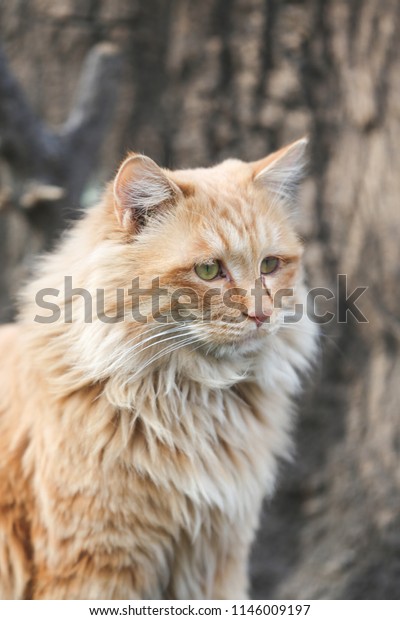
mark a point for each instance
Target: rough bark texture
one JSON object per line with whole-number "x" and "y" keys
{"x": 206, "y": 80}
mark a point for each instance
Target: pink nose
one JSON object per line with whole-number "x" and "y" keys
{"x": 259, "y": 317}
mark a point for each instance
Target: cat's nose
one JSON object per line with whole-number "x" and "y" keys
{"x": 258, "y": 317}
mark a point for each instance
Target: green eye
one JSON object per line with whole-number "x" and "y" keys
{"x": 269, "y": 264}
{"x": 208, "y": 271}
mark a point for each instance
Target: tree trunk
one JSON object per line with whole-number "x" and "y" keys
{"x": 220, "y": 78}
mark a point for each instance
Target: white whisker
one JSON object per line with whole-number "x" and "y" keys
{"x": 161, "y": 333}
{"x": 171, "y": 349}
{"x": 159, "y": 342}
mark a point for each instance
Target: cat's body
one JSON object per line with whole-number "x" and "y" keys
{"x": 131, "y": 466}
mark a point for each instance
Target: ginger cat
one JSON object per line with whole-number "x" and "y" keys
{"x": 136, "y": 449}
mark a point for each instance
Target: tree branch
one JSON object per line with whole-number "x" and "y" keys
{"x": 63, "y": 160}
{"x": 84, "y": 131}
{"x": 24, "y": 140}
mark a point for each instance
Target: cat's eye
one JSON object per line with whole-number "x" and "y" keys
{"x": 208, "y": 271}
{"x": 269, "y": 265}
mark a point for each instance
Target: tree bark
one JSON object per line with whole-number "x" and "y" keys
{"x": 237, "y": 78}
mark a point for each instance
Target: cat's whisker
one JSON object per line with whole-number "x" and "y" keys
{"x": 300, "y": 327}
{"x": 143, "y": 333}
{"x": 298, "y": 324}
{"x": 181, "y": 334}
{"x": 171, "y": 349}
{"x": 148, "y": 330}
{"x": 159, "y": 342}
{"x": 159, "y": 334}
{"x": 157, "y": 356}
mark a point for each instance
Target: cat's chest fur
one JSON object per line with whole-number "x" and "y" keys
{"x": 192, "y": 470}
{"x": 216, "y": 447}
{"x": 202, "y": 459}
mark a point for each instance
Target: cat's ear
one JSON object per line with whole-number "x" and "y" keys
{"x": 141, "y": 188}
{"x": 281, "y": 172}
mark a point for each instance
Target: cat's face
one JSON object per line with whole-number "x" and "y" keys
{"x": 218, "y": 244}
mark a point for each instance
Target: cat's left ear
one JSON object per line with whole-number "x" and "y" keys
{"x": 140, "y": 189}
{"x": 281, "y": 172}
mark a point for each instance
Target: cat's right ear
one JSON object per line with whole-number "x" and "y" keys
{"x": 140, "y": 189}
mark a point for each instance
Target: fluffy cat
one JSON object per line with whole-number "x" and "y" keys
{"x": 135, "y": 454}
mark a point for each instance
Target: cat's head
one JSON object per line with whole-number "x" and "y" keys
{"x": 217, "y": 247}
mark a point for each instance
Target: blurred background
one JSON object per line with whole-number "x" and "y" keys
{"x": 191, "y": 83}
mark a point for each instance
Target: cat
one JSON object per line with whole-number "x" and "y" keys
{"x": 136, "y": 448}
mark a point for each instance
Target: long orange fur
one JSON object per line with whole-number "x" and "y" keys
{"x": 133, "y": 469}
